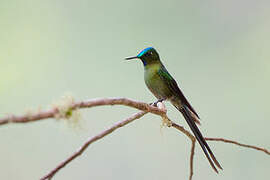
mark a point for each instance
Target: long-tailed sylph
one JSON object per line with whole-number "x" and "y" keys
{"x": 164, "y": 87}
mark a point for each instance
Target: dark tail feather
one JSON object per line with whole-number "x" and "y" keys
{"x": 206, "y": 149}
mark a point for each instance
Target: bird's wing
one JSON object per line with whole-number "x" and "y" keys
{"x": 171, "y": 83}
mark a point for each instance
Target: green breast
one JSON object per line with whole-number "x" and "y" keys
{"x": 154, "y": 82}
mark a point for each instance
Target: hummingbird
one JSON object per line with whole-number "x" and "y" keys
{"x": 164, "y": 87}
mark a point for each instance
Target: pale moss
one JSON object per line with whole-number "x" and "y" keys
{"x": 165, "y": 121}
{"x": 29, "y": 112}
{"x": 64, "y": 106}
{"x": 74, "y": 119}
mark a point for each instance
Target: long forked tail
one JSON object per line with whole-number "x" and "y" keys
{"x": 206, "y": 149}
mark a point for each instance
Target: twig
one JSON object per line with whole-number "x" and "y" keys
{"x": 239, "y": 144}
{"x": 193, "y": 140}
{"x": 91, "y": 140}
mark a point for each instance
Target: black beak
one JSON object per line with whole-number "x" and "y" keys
{"x": 129, "y": 58}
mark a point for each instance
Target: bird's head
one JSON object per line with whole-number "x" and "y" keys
{"x": 147, "y": 56}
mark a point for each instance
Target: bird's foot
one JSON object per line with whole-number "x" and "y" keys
{"x": 155, "y": 103}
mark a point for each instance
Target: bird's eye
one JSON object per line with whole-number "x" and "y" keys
{"x": 149, "y": 54}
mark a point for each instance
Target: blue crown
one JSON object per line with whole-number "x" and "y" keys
{"x": 144, "y": 51}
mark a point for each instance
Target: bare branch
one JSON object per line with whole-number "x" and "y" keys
{"x": 239, "y": 144}
{"x": 192, "y": 151}
{"x": 28, "y": 118}
{"x": 93, "y": 139}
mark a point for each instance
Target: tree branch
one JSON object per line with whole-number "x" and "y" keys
{"x": 53, "y": 112}
{"x": 192, "y": 151}
{"x": 239, "y": 144}
{"x": 91, "y": 140}
{"x": 65, "y": 111}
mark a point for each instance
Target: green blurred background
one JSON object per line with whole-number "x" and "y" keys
{"x": 218, "y": 51}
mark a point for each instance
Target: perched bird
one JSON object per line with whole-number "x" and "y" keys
{"x": 164, "y": 87}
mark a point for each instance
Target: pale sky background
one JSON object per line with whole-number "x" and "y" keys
{"x": 218, "y": 51}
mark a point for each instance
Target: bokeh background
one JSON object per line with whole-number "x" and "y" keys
{"x": 218, "y": 51}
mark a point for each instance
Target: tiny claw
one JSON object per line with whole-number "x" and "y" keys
{"x": 155, "y": 103}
